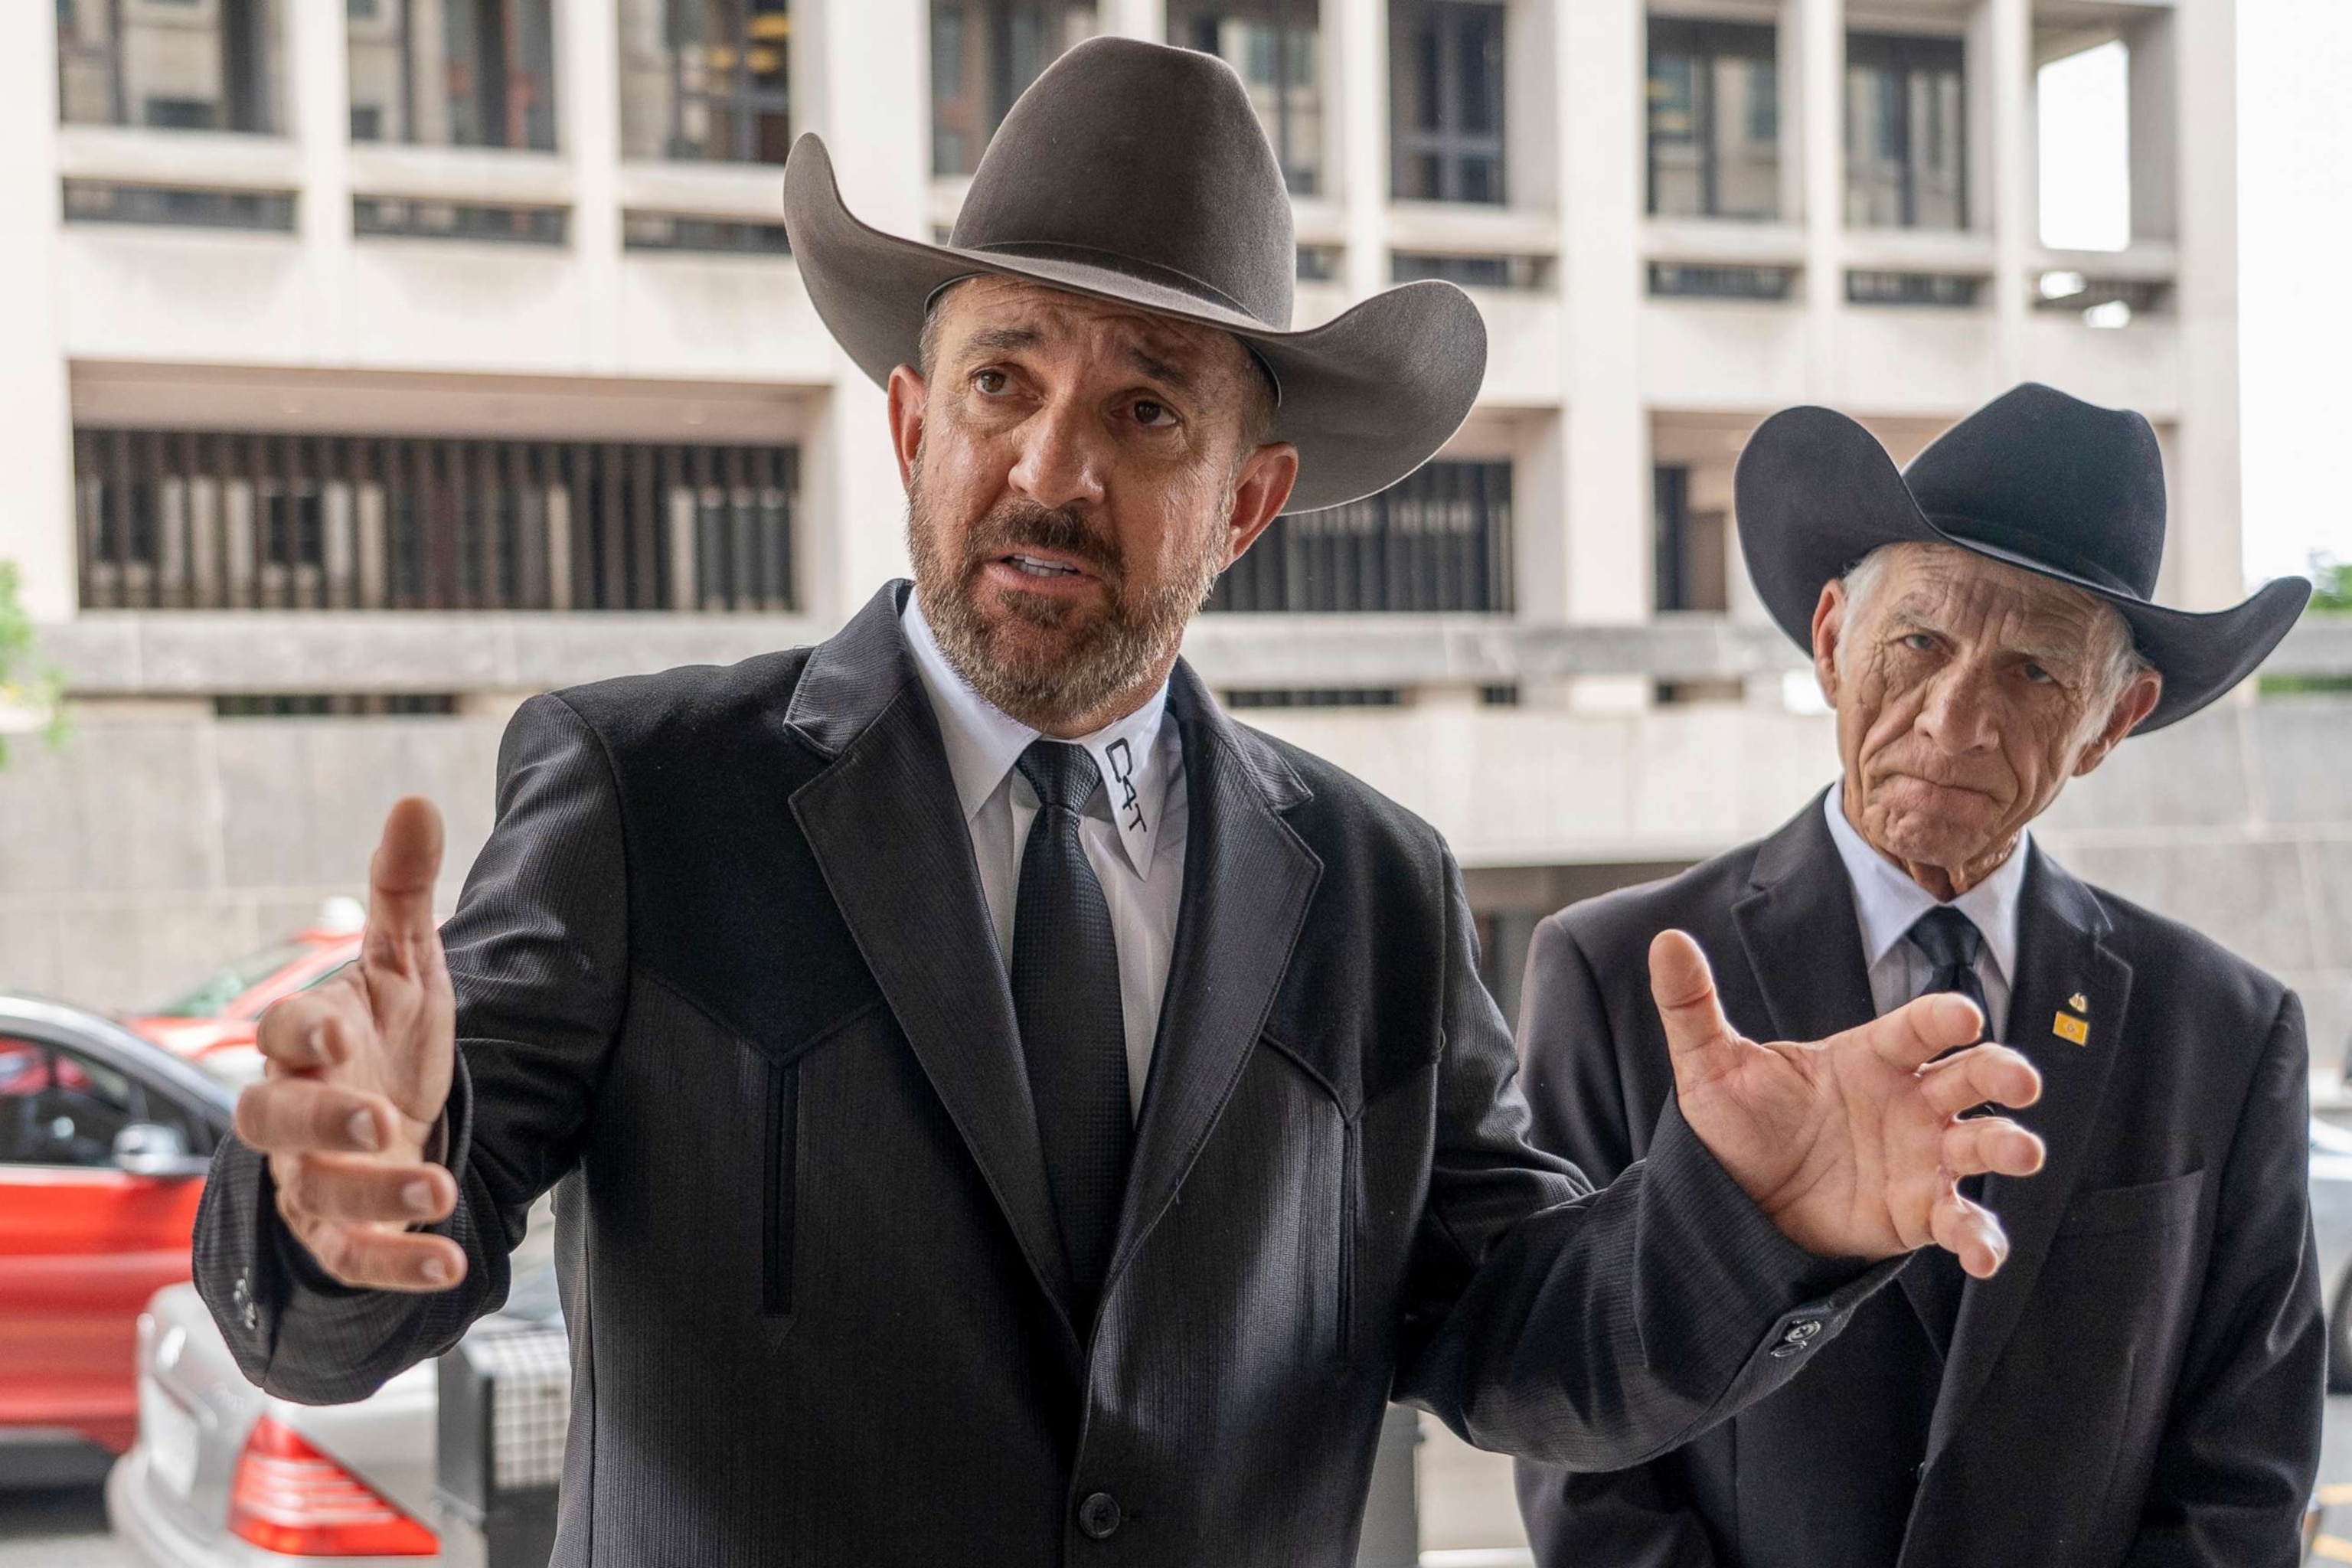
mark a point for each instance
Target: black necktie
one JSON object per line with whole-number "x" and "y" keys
{"x": 1951, "y": 942}
{"x": 1073, "y": 1031}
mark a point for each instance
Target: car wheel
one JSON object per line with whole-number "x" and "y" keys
{"x": 2339, "y": 1337}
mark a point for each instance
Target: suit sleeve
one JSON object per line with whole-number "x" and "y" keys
{"x": 538, "y": 956}
{"x": 1595, "y": 1329}
{"x": 1638, "y": 1517}
{"x": 2240, "y": 1447}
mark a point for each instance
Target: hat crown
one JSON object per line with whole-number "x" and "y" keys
{"x": 2053, "y": 478}
{"x": 1146, "y": 159}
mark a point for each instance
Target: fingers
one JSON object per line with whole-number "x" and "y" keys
{"x": 342, "y": 1189}
{"x": 1971, "y": 1232}
{"x": 283, "y": 1115}
{"x": 375, "y": 1260}
{"x": 312, "y": 1029}
{"x": 1700, "y": 1040}
{"x": 1991, "y": 1145}
{"x": 1985, "y": 1074}
{"x": 1918, "y": 1032}
{"x": 399, "y": 884}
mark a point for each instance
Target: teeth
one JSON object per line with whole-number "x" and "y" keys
{"x": 1036, "y": 568}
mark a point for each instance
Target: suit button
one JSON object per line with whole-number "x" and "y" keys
{"x": 1801, "y": 1331}
{"x": 1099, "y": 1516}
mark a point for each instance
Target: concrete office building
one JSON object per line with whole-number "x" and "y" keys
{"x": 367, "y": 364}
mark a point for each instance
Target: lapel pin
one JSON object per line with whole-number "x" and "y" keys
{"x": 2080, "y": 1003}
{"x": 2068, "y": 1027}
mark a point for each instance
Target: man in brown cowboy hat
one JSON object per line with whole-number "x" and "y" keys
{"x": 2142, "y": 1383}
{"x": 1001, "y": 1110}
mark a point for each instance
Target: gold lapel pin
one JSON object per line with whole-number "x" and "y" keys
{"x": 2066, "y": 1026}
{"x": 2080, "y": 1003}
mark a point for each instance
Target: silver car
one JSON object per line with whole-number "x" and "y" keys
{"x": 225, "y": 1476}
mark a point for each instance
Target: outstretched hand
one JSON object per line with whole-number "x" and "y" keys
{"x": 1852, "y": 1145}
{"x": 358, "y": 1071}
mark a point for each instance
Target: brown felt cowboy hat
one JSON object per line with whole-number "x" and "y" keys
{"x": 2065, "y": 488}
{"x": 1139, "y": 173}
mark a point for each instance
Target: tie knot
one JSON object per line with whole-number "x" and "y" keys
{"x": 1949, "y": 938}
{"x": 1062, "y": 773}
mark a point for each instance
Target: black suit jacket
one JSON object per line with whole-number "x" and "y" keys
{"x": 724, "y": 971}
{"x": 2140, "y": 1383}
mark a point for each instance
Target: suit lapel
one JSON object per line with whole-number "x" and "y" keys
{"x": 1798, "y": 928}
{"x": 2062, "y": 955}
{"x": 889, "y": 835}
{"x": 1248, "y": 879}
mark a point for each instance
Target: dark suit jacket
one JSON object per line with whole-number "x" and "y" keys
{"x": 724, "y": 971}
{"x": 2140, "y": 1383}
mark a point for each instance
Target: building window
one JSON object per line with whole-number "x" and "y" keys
{"x": 984, "y": 53}
{"x": 1693, "y": 547}
{"x": 1438, "y": 539}
{"x": 455, "y": 73}
{"x": 1272, "y": 45}
{"x": 180, "y": 519}
{"x": 216, "y": 66}
{"x": 707, "y": 80}
{"x": 1519, "y": 272}
{"x": 1715, "y": 121}
{"x": 718, "y": 237}
{"x": 1445, "y": 66}
{"x": 107, "y": 201}
{"x": 1906, "y": 153}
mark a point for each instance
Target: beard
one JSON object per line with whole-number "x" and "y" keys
{"x": 1045, "y": 661}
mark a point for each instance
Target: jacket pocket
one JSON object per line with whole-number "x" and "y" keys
{"x": 2116, "y": 1211}
{"x": 1351, "y": 1184}
{"x": 782, "y": 1189}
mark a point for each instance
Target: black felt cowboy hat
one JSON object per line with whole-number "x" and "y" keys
{"x": 1139, "y": 173}
{"x": 2065, "y": 488}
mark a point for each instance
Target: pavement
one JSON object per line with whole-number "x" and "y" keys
{"x": 1469, "y": 1516}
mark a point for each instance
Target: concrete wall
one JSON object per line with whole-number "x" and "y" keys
{"x": 159, "y": 840}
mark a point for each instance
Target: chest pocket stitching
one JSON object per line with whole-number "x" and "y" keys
{"x": 2115, "y": 1211}
{"x": 780, "y": 1189}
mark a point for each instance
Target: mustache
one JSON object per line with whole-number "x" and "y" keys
{"x": 1027, "y": 525}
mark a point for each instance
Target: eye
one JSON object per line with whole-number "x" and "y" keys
{"x": 1918, "y": 642}
{"x": 991, "y": 381}
{"x": 2039, "y": 675}
{"x": 1154, "y": 414}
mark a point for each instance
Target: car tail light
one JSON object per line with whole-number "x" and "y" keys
{"x": 288, "y": 1496}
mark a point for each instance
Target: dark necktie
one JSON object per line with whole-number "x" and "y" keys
{"x": 1951, "y": 942}
{"x": 1066, "y": 997}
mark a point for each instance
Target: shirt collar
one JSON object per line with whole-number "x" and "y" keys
{"x": 1886, "y": 900}
{"x": 983, "y": 743}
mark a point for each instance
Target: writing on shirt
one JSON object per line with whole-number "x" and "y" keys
{"x": 1121, "y": 757}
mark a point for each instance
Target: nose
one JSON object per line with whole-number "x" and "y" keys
{"x": 1061, "y": 457}
{"x": 1959, "y": 714}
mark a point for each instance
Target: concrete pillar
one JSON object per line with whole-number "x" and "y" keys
{"x": 2155, "y": 139}
{"x": 318, "y": 57}
{"x": 588, "y": 105}
{"x": 36, "y": 520}
{"x": 1359, "y": 49}
{"x": 2009, "y": 36}
{"x": 874, "y": 115}
{"x": 2205, "y": 523}
{"x": 1820, "y": 127}
{"x": 1606, "y": 443}
{"x": 1135, "y": 18}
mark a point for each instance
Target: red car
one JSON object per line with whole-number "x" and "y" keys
{"x": 214, "y": 1025}
{"x": 104, "y": 1141}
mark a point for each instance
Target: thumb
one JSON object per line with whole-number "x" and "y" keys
{"x": 1700, "y": 1040}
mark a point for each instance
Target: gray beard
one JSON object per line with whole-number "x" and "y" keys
{"x": 1047, "y": 687}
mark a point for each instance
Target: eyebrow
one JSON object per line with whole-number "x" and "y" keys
{"x": 1159, "y": 369}
{"x": 2031, "y": 645}
{"x": 999, "y": 339}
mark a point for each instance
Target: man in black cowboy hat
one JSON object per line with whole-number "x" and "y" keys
{"x": 2142, "y": 1383}
{"x": 1001, "y": 1110}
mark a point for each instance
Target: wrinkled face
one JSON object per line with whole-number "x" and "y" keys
{"x": 1967, "y": 693}
{"x": 1078, "y": 473}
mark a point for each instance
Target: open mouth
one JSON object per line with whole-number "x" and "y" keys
{"x": 1040, "y": 567}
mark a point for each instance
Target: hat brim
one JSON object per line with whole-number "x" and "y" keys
{"x": 1815, "y": 492}
{"x": 1367, "y": 397}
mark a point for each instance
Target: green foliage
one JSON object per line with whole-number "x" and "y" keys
{"x": 2331, "y": 595}
{"x": 27, "y": 680}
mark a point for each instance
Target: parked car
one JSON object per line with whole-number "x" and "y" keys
{"x": 104, "y": 1141}
{"x": 225, "y": 1476}
{"x": 214, "y": 1022}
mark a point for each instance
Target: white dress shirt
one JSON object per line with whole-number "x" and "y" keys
{"x": 1887, "y": 902}
{"x": 1132, "y": 830}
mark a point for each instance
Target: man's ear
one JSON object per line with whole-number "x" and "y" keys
{"x": 1259, "y": 492}
{"x": 2138, "y": 700}
{"x": 1828, "y": 626}
{"x": 908, "y": 397}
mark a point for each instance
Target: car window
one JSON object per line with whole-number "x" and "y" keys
{"x": 231, "y": 981}
{"x": 59, "y": 1109}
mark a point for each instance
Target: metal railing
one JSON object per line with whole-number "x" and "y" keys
{"x": 176, "y": 519}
